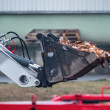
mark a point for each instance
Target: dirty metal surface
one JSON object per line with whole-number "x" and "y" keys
{"x": 64, "y": 63}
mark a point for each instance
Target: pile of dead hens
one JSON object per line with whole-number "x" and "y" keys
{"x": 88, "y": 47}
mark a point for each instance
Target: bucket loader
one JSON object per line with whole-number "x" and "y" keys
{"x": 61, "y": 63}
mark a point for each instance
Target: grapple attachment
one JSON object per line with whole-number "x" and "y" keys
{"x": 63, "y": 63}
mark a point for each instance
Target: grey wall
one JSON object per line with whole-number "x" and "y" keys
{"x": 94, "y": 27}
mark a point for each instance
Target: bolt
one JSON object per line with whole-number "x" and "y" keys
{"x": 23, "y": 79}
{"x": 36, "y": 83}
{"x": 40, "y": 69}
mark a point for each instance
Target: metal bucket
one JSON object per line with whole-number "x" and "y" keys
{"x": 64, "y": 63}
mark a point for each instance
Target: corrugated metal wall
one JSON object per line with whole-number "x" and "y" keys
{"x": 54, "y": 6}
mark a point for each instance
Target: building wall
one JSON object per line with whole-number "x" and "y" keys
{"x": 94, "y": 27}
{"x": 54, "y": 6}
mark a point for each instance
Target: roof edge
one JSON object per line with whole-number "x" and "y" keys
{"x": 54, "y": 12}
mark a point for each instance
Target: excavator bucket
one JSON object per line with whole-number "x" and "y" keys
{"x": 63, "y": 63}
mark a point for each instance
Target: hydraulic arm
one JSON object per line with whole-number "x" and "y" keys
{"x": 60, "y": 63}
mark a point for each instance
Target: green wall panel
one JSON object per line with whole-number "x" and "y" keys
{"x": 94, "y": 27}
